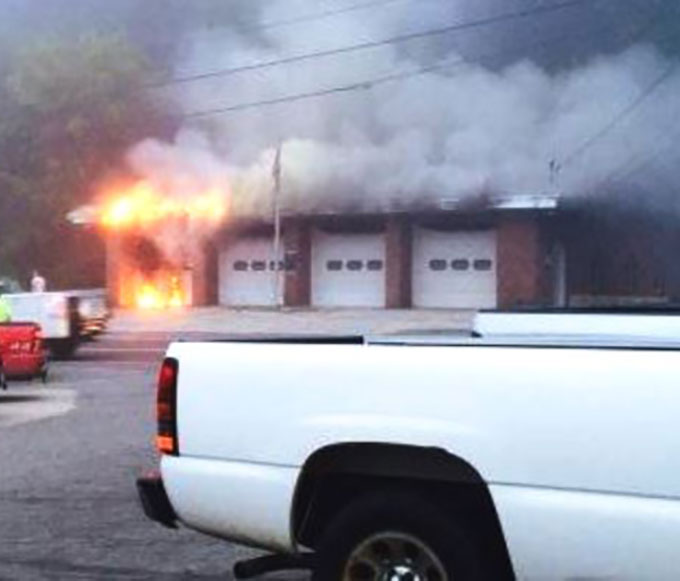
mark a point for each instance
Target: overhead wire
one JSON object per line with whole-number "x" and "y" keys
{"x": 633, "y": 165}
{"x": 321, "y": 15}
{"x": 628, "y": 110}
{"x": 370, "y": 83}
{"x": 454, "y": 27}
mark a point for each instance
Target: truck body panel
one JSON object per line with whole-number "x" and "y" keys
{"x": 22, "y": 350}
{"x": 243, "y": 501}
{"x": 581, "y": 419}
{"x": 575, "y": 433}
{"x": 557, "y": 535}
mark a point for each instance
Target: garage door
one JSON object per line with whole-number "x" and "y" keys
{"x": 247, "y": 273}
{"x": 348, "y": 270}
{"x": 454, "y": 269}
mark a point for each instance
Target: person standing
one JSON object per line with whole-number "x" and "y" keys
{"x": 5, "y": 310}
{"x": 38, "y": 284}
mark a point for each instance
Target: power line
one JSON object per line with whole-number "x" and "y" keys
{"x": 456, "y": 27}
{"x": 320, "y": 15}
{"x": 368, "y": 83}
{"x": 625, "y": 170}
{"x": 625, "y": 112}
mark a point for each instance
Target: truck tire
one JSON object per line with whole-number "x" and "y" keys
{"x": 395, "y": 536}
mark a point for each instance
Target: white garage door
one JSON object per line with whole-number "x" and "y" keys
{"x": 247, "y": 273}
{"x": 348, "y": 270}
{"x": 454, "y": 269}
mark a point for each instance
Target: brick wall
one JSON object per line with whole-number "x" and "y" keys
{"x": 210, "y": 272}
{"x": 617, "y": 256}
{"x": 298, "y": 258}
{"x": 398, "y": 258}
{"x": 113, "y": 266}
{"x": 521, "y": 262}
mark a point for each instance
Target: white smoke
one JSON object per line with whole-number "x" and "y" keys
{"x": 454, "y": 132}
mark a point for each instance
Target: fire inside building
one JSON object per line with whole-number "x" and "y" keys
{"x": 506, "y": 252}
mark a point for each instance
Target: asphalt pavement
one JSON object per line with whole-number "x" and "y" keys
{"x": 70, "y": 452}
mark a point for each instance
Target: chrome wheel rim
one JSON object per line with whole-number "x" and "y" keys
{"x": 392, "y": 556}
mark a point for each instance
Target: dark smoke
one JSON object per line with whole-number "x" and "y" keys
{"x": 491, "y": 125}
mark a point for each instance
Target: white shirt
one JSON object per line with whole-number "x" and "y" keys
{"x": 38, "y": 284}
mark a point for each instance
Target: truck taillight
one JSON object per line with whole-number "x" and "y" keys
{"x": 166, "y": 408}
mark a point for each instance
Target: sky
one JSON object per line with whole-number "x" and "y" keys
{"x": 505, "y": 102}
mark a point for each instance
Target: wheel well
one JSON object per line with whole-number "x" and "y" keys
{"x": 336, "y": 475}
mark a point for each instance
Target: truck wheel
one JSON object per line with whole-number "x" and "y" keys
{"x": 395, "y": 537}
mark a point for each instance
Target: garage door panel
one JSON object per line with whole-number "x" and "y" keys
{"x": 247, "y": 273}
{"x": 348, "y": 270}
{"x": 454, "y": 269}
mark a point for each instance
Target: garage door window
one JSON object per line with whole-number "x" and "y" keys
{"x": 437, "y": 264}
{"x": 483, "y": 264}
{"x": 355, "y": 265}
{"x": 374, "y": 265}
{"x": 258, "y": 265}
{"x": 334, "y": 265}
{"x": 240, "y": 265}
{"x": 460, "y": 264}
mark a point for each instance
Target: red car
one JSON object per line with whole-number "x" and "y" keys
{"x": 22, "y": 351}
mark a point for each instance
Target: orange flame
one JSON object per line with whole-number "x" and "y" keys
{"x": 148, "y": 297}
{"x": 142, "y": 205}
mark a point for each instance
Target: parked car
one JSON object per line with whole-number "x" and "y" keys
{"x": 532, "y": 449}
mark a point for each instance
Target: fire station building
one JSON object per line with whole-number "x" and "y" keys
{"x": 520, "y": 251}
{"x": 499, "y": 255}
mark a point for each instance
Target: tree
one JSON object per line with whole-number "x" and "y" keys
{"x": 70, "y": 110}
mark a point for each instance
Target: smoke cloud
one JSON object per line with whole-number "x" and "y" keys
{"x": 481, "y": 126}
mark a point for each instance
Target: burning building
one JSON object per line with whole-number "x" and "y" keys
{"x": 499, "y": 254}
{"x": 159, "y": 254}
{"x": 408, "y": 194}
{"x": 505, "y": 252}
{"x": 156, "y": 246}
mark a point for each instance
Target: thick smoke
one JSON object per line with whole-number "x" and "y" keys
{"x": 482, "y": 126}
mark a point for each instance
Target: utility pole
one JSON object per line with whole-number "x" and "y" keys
{"x": 276, "y": 174}
{"x": 558, "y": 258}
{"x": 554, "y": 169}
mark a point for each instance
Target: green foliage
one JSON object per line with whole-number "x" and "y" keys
{"x": 89, "y": 73}
{"x": 69, "y": 109}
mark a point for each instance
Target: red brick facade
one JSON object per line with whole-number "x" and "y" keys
{"x": 398, "y": 259}
{"x": 297, "y": 246}
{"x": 114, "y": 264}
{"x": 521, "y": 262}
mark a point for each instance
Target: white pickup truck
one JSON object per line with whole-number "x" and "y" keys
{"x": 542, "y": 447}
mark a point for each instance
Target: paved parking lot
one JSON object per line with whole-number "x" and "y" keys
{"x": 70, "y": 451}
{"x": 299, "y": 321}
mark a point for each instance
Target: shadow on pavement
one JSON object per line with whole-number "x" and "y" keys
{"x": 19, "y": 398}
